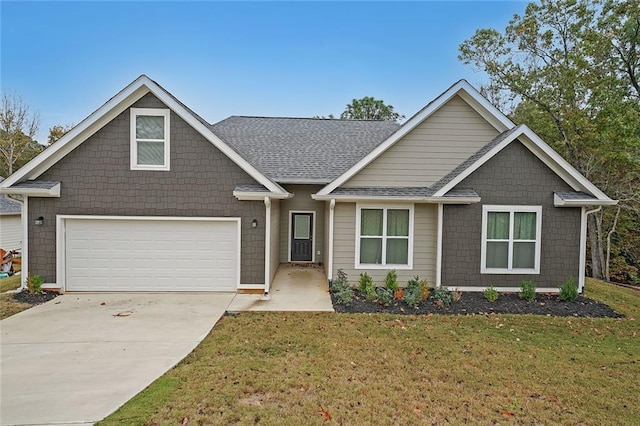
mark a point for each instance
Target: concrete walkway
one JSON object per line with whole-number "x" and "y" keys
{"x": 77, "y": 358}
{"x": 294, "y": 288}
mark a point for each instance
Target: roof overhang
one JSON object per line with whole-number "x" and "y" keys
{"x": 395, "y": 199}
{"x": 52, "y": 192}
{"x": 260, "y": 195}
{"x": 558, "y": 201}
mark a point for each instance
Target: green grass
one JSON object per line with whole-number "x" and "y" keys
{"x": 290, "y": 368}
{"x": 9, "y": 307}
{"x": 10, "y": 283}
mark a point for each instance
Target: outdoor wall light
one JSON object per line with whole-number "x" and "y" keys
{"x": 254, "y": 223}
{"x": 39, "y": 221}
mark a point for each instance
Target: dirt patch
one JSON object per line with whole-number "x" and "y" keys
{"x": 474, "y": 303}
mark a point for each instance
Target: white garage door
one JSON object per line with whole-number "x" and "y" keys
{"x": 151, "y": 255}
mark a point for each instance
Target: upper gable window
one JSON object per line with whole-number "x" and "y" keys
{"x": 149, "y": 139}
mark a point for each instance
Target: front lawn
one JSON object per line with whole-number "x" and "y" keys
{"x": 9, "y": 283}
{"x": 325, "y": 368}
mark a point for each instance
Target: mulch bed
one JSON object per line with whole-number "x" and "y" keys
{"x": 34, "y": 298}
{"x": 474, "y": 303}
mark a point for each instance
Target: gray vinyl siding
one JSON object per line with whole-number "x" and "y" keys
{"x": 301, "y": 201}
{"x": 275, "y": 238}
{"x": 513, "y": 177}
{"x": 431, "y": 150}
{"x": 424, "y": 245}
{"x": 97, "y": 180}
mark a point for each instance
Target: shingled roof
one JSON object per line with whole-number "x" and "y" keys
{"x": 7, "y": 205}
{"x": 299, "y": 150}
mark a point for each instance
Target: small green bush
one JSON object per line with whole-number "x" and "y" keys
{"x": 34, "y": 283}
{"x": 391, "y": 281}
{"x": 569, "y": 290}
{"x": 385, "y": 296}
{"x": 527, "y": 290}
{"x": 416, "y": 291}
{"x": 367, "y": 287}
{"x": 442, "y": 296}
{"x": 491, "y": 294}
{"x": 341, "y": 289}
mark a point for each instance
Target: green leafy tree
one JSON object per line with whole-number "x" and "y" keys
{"x": 571, "y": 68}
{"x": 58, "y": 131}
{"x": 369, "y": 108}
{"x": 18, "y": 127}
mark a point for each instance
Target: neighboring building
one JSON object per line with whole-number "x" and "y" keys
{"x": 10, "y": 223}
{"x": 145, "y": 195}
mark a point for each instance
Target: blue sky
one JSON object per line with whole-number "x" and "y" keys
{"x": 239, "y": 58}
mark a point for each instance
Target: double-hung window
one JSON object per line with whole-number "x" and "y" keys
{"x": 511, "y": 239}
{"x": 149, "y": 139}
{"x": 384, "y": 237}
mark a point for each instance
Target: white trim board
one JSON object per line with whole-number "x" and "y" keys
{"x": 502, "y": 289}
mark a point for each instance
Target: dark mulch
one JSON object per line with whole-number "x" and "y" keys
{"x": 474, "y": 303}
{"x": 34, "y": 298}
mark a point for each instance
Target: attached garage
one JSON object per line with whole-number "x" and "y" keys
{"x": 102, "y": 253}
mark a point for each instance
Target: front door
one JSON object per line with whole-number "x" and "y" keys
{"x": 301, "y": 237}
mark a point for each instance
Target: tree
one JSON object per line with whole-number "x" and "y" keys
{"x": 571, "y": 67}
{"x": 18, "y": 127}
{"x": 369, "y": 108}
{"x": 58, "y": 131}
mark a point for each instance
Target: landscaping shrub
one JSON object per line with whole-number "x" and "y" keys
{"x": 385, "y": 296}
{"x": 367, "y": 287}
{"x": 491, "y": 294}
{"x": 527, "y": 291}
{"x": 569, "y": 290}
{"x": 442, "y": 296}
{"x": 341, "y": 289}
{"x": 398, "y": 294}
{"x": 416, "y": 291}
{"x": 34, "y": 283}
{"x": 391, "y": 281}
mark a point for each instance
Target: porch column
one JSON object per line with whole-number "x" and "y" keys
{"x": 439, "y": 246}
{"x": 332, "y": 206}
{"x": 267, "y": 245}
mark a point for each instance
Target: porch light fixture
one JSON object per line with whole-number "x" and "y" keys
{"x": 39, "y": 221}
{"x": 254, "y": 223}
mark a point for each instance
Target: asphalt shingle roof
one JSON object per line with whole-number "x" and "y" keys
{"x": 7, "y": 205}
{"x": 302, "y": 149}
{"x": 567, "y": 196}
{"x": 401, "y": 192}
{"x": 35, "y": 184}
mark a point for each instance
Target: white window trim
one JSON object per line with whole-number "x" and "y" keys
{"x": 384, "y": 207}
{"x": 511, "y": 209}
{"x": 158, "y": 112}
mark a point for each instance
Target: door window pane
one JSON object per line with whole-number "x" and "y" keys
{"x": 371, "y": 222}
{"x": 149, "y": 127}
{"x": 151, "y": 153}
{"x": 497, "y": 254}
{"x": 524, "y": 255}
{"x": 397, "y": 251}
{"x": 371, "y": 250}
{"x": 398, "y": 223}
{"x": 302, "y": 227}
{"x": 498, "y": 225}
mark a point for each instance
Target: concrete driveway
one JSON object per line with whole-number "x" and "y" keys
{"x": 79, "y": 357}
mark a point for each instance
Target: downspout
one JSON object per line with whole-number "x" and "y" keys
{"x": 332, "y": 206}
{"x": 583, "y": 246}
{"x": 439, "y": 246}
{"x": 267, "y": 246}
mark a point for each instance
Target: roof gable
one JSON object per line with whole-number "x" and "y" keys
{"x": 462, "y": 89}
{"x": 112, "y": 108}
{"x": 430, "y": 150}
{"x": 538, "y": 147}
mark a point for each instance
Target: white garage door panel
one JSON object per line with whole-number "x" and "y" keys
{"x": 151, "y": 255}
